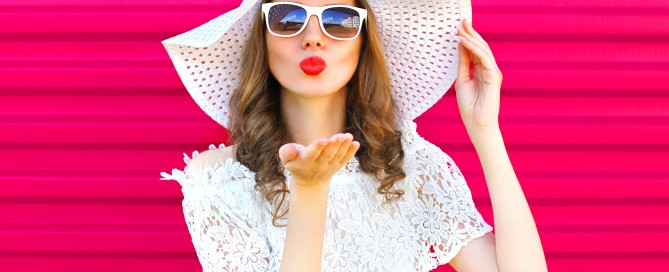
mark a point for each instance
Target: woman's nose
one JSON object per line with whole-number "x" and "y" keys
{"x": 313, "y": 36}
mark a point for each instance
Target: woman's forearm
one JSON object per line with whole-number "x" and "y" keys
{"x": 303, "y": 248}
{"x": 517, "y": 240}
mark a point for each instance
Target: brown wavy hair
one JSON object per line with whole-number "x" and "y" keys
{"x": 258, "y": 130}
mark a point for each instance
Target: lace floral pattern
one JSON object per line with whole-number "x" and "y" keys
{"x": 231, "y": 226}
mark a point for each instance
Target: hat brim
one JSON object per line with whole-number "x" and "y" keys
{"x": 418, "y": 38}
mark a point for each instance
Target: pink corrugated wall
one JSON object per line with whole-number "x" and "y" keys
{"x": 92, "y": 110}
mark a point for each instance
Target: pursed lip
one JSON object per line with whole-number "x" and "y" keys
{"x": 313, "y": 65}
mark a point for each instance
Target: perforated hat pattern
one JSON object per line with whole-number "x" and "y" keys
{"x": 419, "y": 41}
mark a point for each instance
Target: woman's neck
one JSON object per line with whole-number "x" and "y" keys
{"x": 310, "y": 118}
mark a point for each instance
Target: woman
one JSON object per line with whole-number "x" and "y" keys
{"x": 310, "y": 93}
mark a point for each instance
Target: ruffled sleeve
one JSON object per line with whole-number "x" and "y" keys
{"x": 221, "y": 213}
{"x": 443, "y": 211}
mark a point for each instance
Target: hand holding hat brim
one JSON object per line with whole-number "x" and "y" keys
{"x": 479, "y": 97}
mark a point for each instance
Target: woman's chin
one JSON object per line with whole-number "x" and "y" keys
{"x": 312, "y": 91}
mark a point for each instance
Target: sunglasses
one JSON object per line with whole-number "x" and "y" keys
{"x": 288, "y": 19}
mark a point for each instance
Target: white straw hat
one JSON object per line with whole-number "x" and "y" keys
{"x": 419, "y": 40}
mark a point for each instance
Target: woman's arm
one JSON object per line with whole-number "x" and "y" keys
{"x": 306, "y": 227}
{"x": 517, "y": 243}
{"x": 518, "y": 247}
{"x": 311, "y": 170}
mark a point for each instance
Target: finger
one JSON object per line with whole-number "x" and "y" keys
{"x": 470, "y": 29}
{"x": 331, "y": 148}
{"x": 287, "y": 153}
{"x": 463, "y": 67}
{"x": 473, "y": 40}
{"x": 315, "y": 148}
{"x": 473, "y": 36}
{"x": 479, "y": 54}
{"x": 352, "y": 148}
{"x": 343, "y": 148}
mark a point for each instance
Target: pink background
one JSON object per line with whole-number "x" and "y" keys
{"x": 92, "y": 110}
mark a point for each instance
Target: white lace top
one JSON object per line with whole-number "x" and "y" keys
{"x": 232, "y": 229}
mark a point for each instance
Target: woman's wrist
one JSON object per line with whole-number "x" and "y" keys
{"x": 479, "y": 135}
{"x": 315, "y": 187}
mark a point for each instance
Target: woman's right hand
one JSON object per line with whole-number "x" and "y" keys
{"x": 315, "y": 164}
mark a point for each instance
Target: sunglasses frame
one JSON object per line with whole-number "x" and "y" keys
{"x": 318, "y": 11}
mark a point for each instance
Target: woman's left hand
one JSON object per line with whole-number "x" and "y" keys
{"x": 478, "y": 98}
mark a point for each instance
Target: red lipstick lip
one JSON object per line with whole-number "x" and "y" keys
{"x": 313, "y": 65}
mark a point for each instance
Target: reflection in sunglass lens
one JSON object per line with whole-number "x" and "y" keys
{"x": 340, "y": 22}
{"x": 286, "y": 19}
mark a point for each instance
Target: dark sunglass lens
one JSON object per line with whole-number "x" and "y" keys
{"x": 286, "y": 19}
{"x": 341, "y": 22}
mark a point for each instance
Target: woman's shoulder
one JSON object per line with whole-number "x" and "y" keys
{"x": 210, "y": 159}
{"x": 210, "y": 166}
{"x": 410, "y": 138}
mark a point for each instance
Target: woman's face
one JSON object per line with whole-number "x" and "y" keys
{"x": 286, "y": 54}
